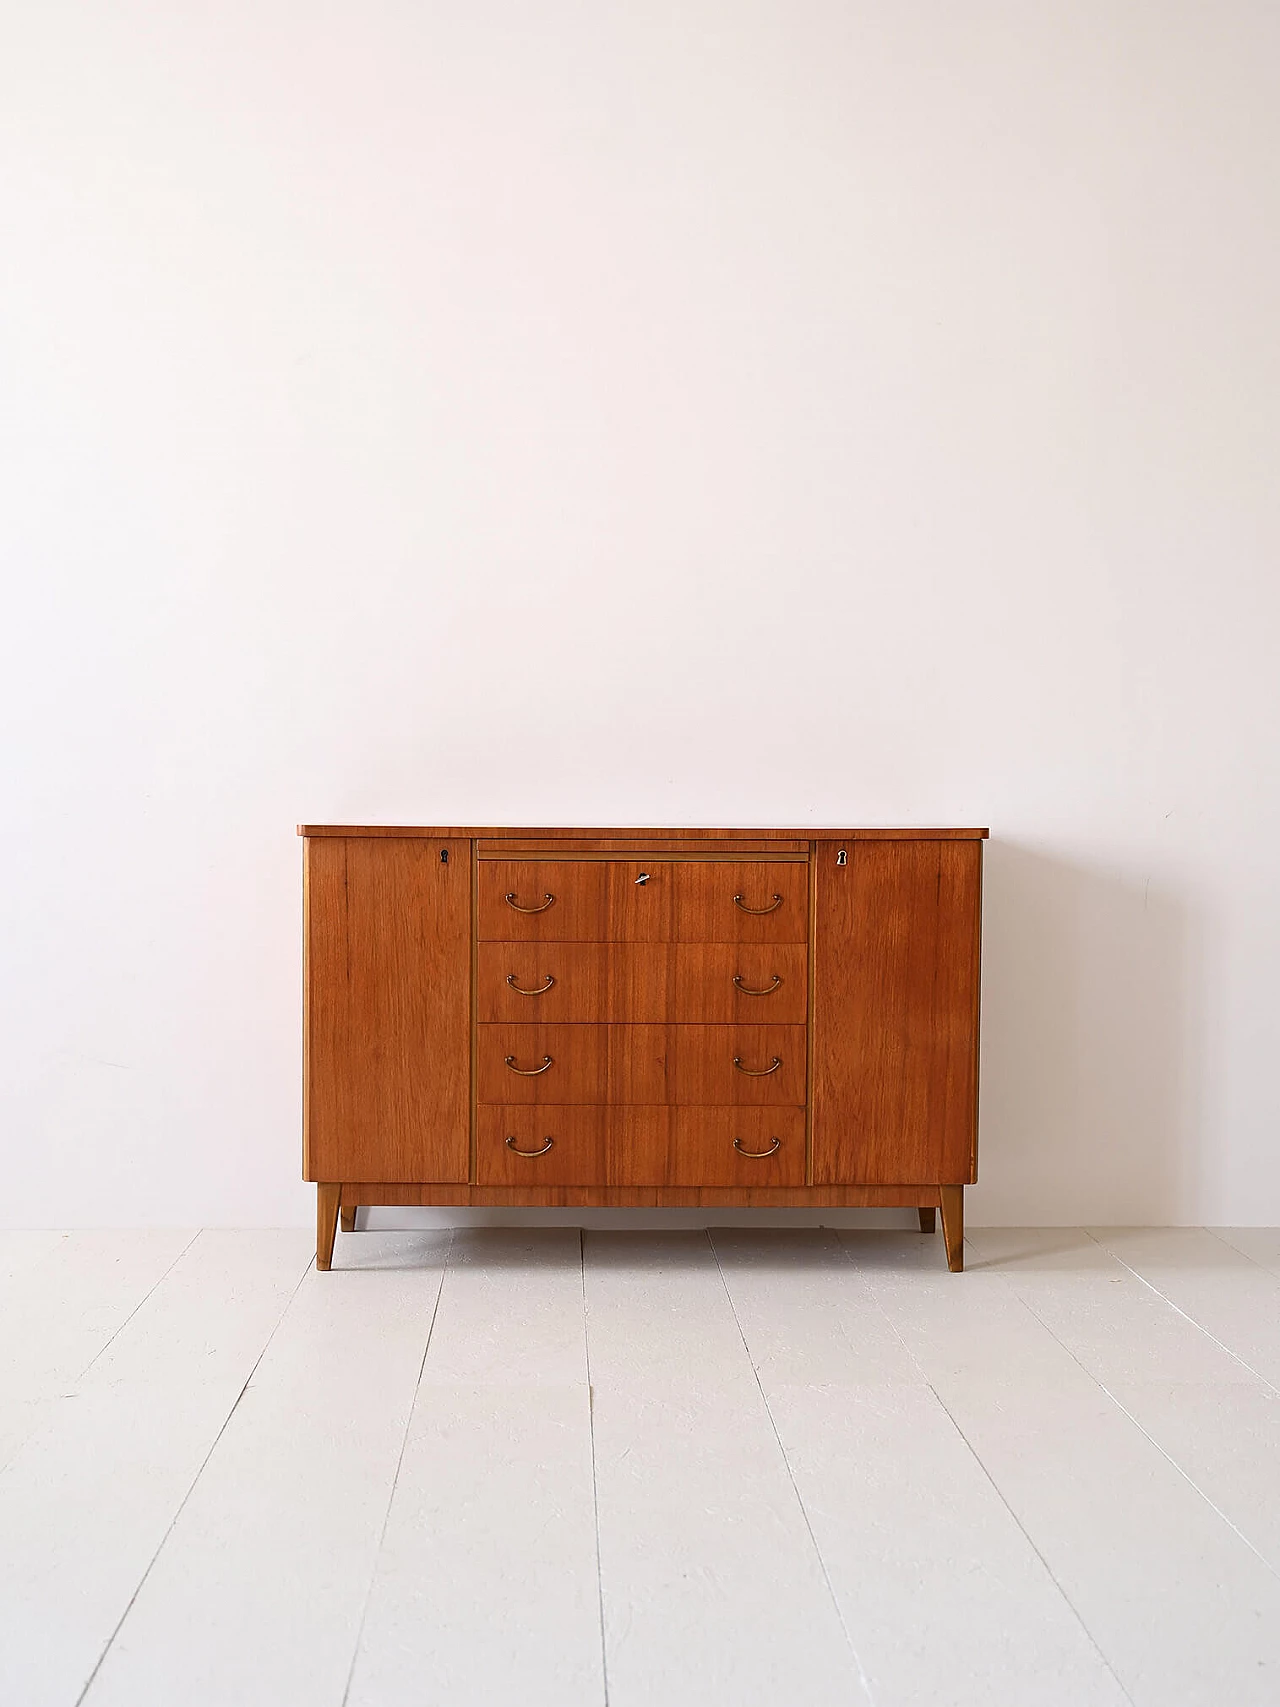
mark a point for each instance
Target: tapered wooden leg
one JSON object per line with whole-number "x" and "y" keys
{"x": 953, "y": 1225}
{"x": 928, "y": 1220}
{"x": 348, "y": 1219}
{"x": 327, "y": 1199}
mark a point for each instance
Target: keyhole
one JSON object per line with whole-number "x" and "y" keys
{"x": 444, "y": 856}
{"x": 643, "y": 877}
{"x": 842, "y": 858}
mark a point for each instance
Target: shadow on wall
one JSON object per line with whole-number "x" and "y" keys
{"x": 1090, "y": 1093}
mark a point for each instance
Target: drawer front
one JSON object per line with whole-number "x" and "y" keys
{"x": 528, "y": 900}
{"x": 742, "y": 1064}
{"x": 542, "y": 1146}
{"x": 743, "y": 901}
{"x": 549, "y": 1064}
{"x": 642, "y": 983}
{"x": 737, "y": 1146}
{"x": 640, "y": 1146}
{"x": 591, "y": 900}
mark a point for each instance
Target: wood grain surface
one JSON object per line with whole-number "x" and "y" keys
{"x": 896, "y": 934}
{"x": 660, "y": 844}
{"x": 579, "y": 1138}
{"x": 772, "y": 1152}
{"x": 328, "y": 1197}
{"x": 642, "y": 1197}
{"x": 642, "y": 1064}
{"x": 642, "y": 983}
{"x": 639, "y": 901}
{"x": 634, "y": 1049}
{"x": 639, "y": 1146}
{"x": 388, "y": 1035}
{"x": 643, "y": 833}
{"x": 951, "y": 1202}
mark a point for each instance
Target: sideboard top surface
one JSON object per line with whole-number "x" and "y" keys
{"x": 812, "y": 832}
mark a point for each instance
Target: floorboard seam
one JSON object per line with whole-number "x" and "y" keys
{"x": 404, "y": 1442}
{"x": 1048, "y": 1568}
{"x": 1102, "y": 1387}
{"x": 1266, "y": 1267}
{"x": 182, "y": 1503}
{"x": 813, "y": 1539}
{"x": 591, "y": 1435}
{"x": 104, "y": 1348}
{"x": 1186, "y": 1314}
{"x": 996, "y": 1488}
{"x": 74, "y": 1383}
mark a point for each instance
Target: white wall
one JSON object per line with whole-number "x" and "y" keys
{"x": 737, "y": 411}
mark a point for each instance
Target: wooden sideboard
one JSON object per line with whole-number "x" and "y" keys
{"x": 664, "y": 1018}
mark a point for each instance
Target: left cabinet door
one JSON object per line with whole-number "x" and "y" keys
{"x": 388, "y": 1010}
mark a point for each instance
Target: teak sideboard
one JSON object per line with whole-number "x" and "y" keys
{"x": 664, "y": 1018}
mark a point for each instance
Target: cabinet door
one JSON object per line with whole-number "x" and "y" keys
{"x": 388, "y": 1022}
{"x": 895, "y": 1043}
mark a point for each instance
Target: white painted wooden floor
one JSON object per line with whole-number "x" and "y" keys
{"x": 657, "y": 1470}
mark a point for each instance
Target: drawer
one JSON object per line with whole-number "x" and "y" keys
{"x": 634, "y": 900}
{"x": 743, "y": 901}
{"x": 642, "y": 983}
{"x": 640, "y": 1146}
{"x": 737, "y": 1146}
{"x": 743, "y": 1064}
{"x": 542, "y": 1146}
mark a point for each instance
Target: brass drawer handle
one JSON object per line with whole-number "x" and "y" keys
{"x": 540, "y": 991}
{"x": 737, "y": 1144}
{"x": 512, "y": 902}
{"x": 512, "y": 1145}
{"x": 771, "y": 908}
{"x": 751, "y": 1072}
{"x": 748, "y": 991}
{"x": 527, "y": 1072}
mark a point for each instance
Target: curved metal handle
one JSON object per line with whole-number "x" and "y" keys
{"x": 751, "y": 1072}
{"x": 512, "y": 902}
{"x": 771, "y": 908}
{"x": 512, "y": 1145}
{"x": 748, "y": 991}
{"x": 737, "y": 1144}
{"x": 540, "y": 991}
{"x": 527, "y": 1072}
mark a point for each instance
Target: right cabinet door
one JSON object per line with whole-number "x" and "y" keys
{"x": 897, "y": 929}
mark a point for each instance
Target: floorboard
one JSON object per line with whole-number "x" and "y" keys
{"x": 664, "y": 1469}
{"x": 1260, "y": 1244}
{"x": 85, "y": 1505}
{"x": 1184, "y": 1610}
{"x": 1224, "y": 1292}
{"x": 487, "y": 1585}
{"x": 712, "y": 1587}
{"x": 63, "y": 1298}
{"x": 256, "y": 1597}
{"x": 945, "y": 1596}
{"x": 1217, "y": 1421}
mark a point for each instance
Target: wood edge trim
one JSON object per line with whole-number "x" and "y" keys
{"x": 977, "y": 1029}
{"x": 635, "y": 856}
{"x": 810, "y": 1017}
{"x": 306, "y": 1012}
{"x": 457, "y": 1194}
{"x": 473, "y": 1136}
{"x": 437, "y": 832}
